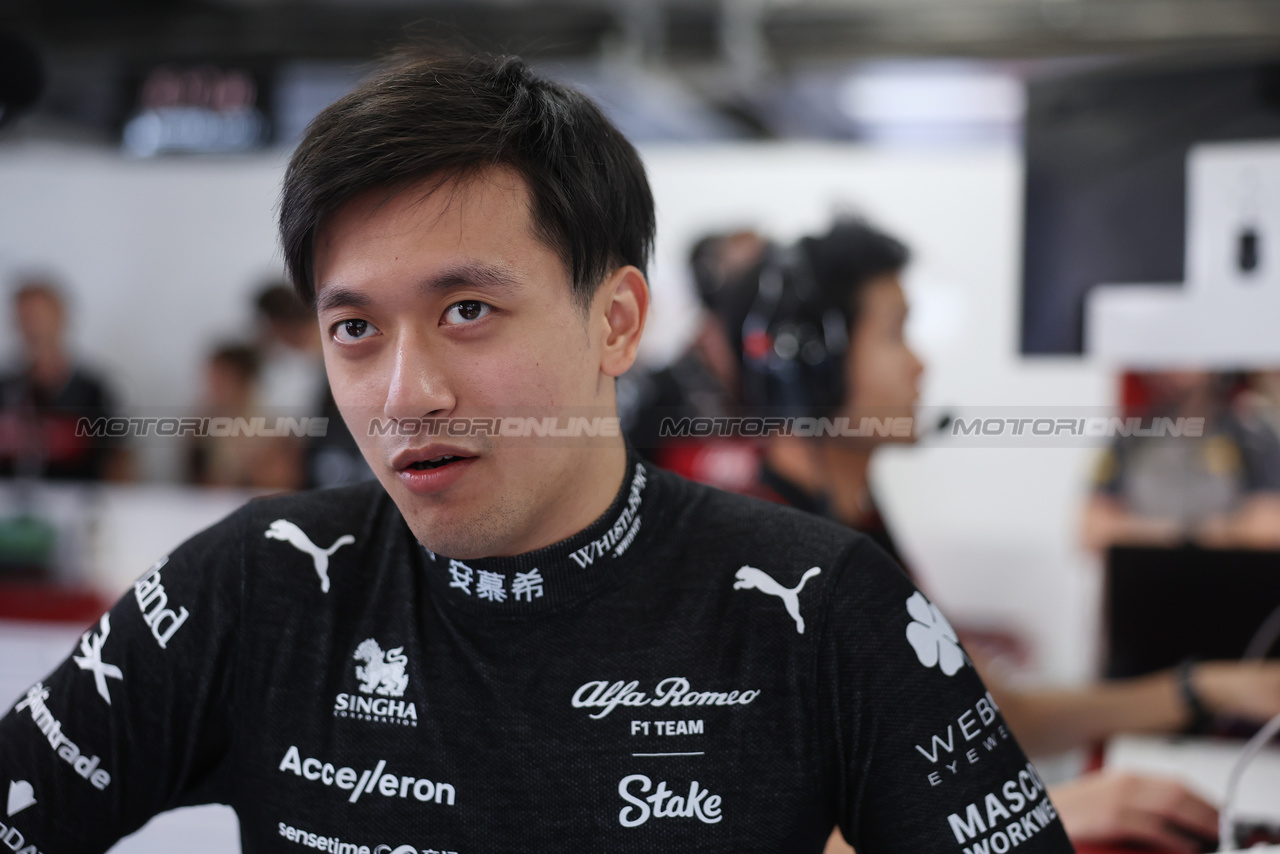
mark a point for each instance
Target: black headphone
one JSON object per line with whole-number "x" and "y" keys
{"x": 794, "y": 340}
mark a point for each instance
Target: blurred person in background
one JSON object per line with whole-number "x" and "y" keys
{"x": 333, "y": 459}
{"x": 292, "y": 383}
{"x": 291, "y": 380}
{"x": 1261, "y": 398}
{"x": 793, "y": 339}
{"x": 44, "y": 398}
{"x": 1220, "y": 489}
{"x": 839, "y": 300}
{"x": 234, "y": 459}
{"x": 703, "y": 381}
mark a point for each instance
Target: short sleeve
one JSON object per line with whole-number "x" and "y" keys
{"x": 137, "y": 719}
{"x": 1109, "y": 470}
{"x": 1260, "y": 453}
{"x": 926, "y": 760}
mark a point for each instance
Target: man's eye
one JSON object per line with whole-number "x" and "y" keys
{"x": 353, "y": 330}
{"x": 467, "y": 311}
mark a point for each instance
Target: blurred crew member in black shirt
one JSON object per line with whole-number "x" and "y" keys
{"x": 45, "y": 400}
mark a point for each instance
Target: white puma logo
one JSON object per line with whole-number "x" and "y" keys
{"x": 749, "y": 577}
{"x": 282, "y": 529}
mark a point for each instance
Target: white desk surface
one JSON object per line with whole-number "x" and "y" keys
{"x": 1204, "y": 765}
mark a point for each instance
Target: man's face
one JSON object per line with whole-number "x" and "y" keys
{"x": 442, "y": 304}
{"x": 882, "y": 371}
{"x": 40, "y": 320}
{"x": 1182, "y": 388}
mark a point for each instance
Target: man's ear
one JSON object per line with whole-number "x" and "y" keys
{"x": 622, "y": 302}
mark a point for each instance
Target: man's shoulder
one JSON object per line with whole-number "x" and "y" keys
{"x": 748, "y": 523}
{"x": 356, "y": 505}
{"x": 313, "y": 512}
{"x": 725, "y": 544}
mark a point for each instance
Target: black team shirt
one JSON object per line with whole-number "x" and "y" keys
{"x": 694, "y": 672}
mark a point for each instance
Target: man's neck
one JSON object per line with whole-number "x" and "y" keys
{"x": 50, "y": 369}
{"x": 583, "y": 504}
{"x": 825, "y": 470}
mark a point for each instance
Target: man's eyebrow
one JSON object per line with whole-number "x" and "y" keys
{"x": 484, "y": 277}
{"x": 336, "y": 296}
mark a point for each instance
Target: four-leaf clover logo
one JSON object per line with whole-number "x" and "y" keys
{"x": 932, "y": 637}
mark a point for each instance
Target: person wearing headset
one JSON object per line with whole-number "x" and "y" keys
{"x": 825, "y": 337}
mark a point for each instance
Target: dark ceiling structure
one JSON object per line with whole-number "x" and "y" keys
{"x": 737, "y": 56}
{"x": 681, "y": 32}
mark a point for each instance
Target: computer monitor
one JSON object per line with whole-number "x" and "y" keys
{"x": 1165, "y": 605}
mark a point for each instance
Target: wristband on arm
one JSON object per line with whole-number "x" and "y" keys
{"x": 1200, "y": 717}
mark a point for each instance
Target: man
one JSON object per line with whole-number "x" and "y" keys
{"x": 43, "y": 400}
{"x": 293, "y": 383}
{"x": 508, "y": 645}
{"x": 703, "y": 381}
{"x": 1220, "y": 489}
{"x": 863, "y": 367}
{"x": 291, "y": 379}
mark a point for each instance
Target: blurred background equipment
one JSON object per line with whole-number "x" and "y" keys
{"x": 22, "y": 76}
{"x": 1219, "y": 315}
{"x": 1111, "y": 197}
{"x": 1163, "y": 607}
{"x": 196, "y": 110}
{"x": 228, "y": 75}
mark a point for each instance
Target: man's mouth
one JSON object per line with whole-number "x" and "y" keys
{"x": 435, "y": 463}
{"x": 430, "y": 458}
{"x": 433, "y": 469}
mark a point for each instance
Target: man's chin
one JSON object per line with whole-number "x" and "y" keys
{"x": 456, "y": 532}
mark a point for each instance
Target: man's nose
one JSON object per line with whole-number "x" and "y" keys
{"x": 917, "y": 366}
{"x": 419, "y": 386}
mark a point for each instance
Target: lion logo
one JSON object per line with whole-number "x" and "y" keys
{"x": 382, "y": 673}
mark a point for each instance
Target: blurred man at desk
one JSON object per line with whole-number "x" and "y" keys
{"x": 1216, "y": 485}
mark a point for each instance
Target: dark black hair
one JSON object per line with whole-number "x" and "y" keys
{"x": 445, "y": 117}
{"x": 805, "y": 305}
{"x": 719, "y": 259}
{"x": 846, "y": 258}
{"x": 278, "y": 302}
{"x": 241, "y": 359}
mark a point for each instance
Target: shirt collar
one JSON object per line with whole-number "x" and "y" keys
{"x": 560, "y": 574}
